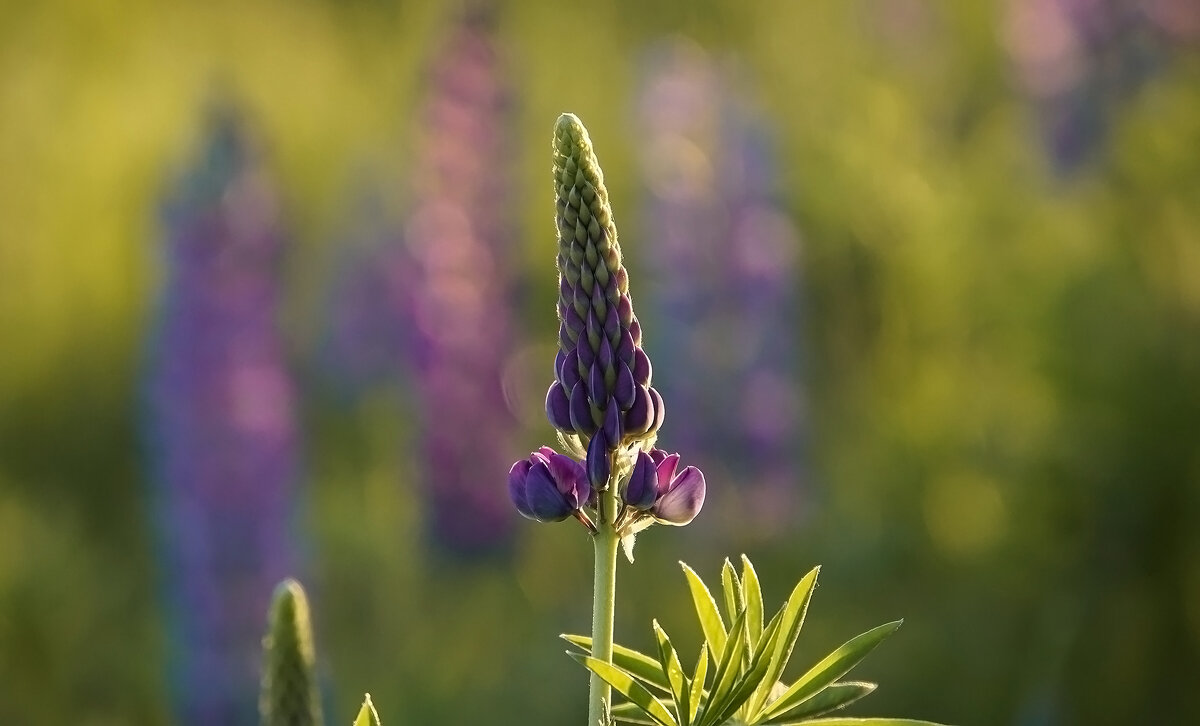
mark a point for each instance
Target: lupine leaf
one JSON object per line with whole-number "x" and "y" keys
{"x": 698, "y": 677}
{"x": 833, "y": 697}
{"x": 832, "y": 667}
{"x": 869, "y": 721}
{"x": 367, "y": 715}
{"x": 630, "y": 712}
{"x": 733, "y": 590}
{"x": 748, "y": 681}
{"x": 752, "y": 594}
{"x": 729, "y": 665}
{"x": 791, "y": 621}
{"x": 637, "y": 664}
{"x": 743, "y": 689}
{"x": 625, "y": 684}
{"x": 706, "y": 610}
{"x": 680, "y": 688}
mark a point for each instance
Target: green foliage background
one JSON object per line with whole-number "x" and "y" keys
{"x": 1004, "y": 365}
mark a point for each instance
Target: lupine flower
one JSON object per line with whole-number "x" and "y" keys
{"x": 221, "y": 429}
{"x": 602, "y": 375}
{"x": 460, "y": 291}
{"x": 725, "y": 259}
{"x": 1077, "y": 61}
{"x": 642, "y": 488}
{"x": 428, "y": 301}
{"x": 679, "y": 495}
{"x": 548, "y": 486}
{"x": 601, "y": 392}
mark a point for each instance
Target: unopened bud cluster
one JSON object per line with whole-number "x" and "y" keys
{"x": 601, "y": 401}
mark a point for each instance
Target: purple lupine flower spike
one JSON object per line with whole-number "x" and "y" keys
{"x": 602, "y": 375}
{"x": 601, "y": 401}
{"x": 458, "y": 285}
{"x": 222, "y": 434}
{"x": 725, "y": 255}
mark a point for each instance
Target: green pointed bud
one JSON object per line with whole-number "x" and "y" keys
{"x": 289, "y": 684}
{"x": 367, "y": 715}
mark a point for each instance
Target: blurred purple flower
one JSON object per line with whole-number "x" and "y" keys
{"x": 221, "y": 432}
{"x": 726, "y": 258}
{"x": 459, "y": 289}
{"x": 1078, "y": 61}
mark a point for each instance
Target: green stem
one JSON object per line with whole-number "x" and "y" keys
{"x": 603, "y": 600}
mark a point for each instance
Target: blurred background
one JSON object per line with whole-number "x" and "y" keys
{"x": 920, "y": 280}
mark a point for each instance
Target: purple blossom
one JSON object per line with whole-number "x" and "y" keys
{"x": 548, "y": 486}
{"x": 458, "y": 287}
{"x": 221, "y": 431}
{"x": 602, "y": 376}
{"x": 725, "y": 255}
{"x": 679, "y": 495}
{"x": 1077, "y": 61}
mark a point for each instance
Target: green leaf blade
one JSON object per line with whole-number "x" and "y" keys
{"x": 706, "y": 611}
{"x": 698, "y": 677}
{"x": 732, "y": 587}
{"x": 833, "y": 697}
{"x": 680, "y": 688}
{"x": 726, "y": 674}
{"x": 367, "y": 715}
{"x": 752, "y": 594}
{"x": 625, "y": 684}
{"x": 832, "y": 667}
{"x": 639, "y": 665}
{"x": 791, "y": 620}
{"x": 859, "y": 722}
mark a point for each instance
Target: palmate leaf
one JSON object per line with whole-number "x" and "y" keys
{"x": 625, "y": 684}
{"x": 706, "y": 611}
{"x": 637, "y": 664}
{"x": 832, "y": 667}
{"x": 833, "y": 697}
{"x": 791, "y": 620}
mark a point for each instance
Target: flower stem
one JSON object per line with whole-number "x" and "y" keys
{"x": 603, "y": 600}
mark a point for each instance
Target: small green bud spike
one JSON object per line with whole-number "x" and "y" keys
{"x": 289, "y": 684}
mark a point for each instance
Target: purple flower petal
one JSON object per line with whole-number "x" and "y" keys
{"x": 543, "y": 500}
{"x": 569, "y": 375}
{"x": 642, "y": 371}
{"x": 641, "y": 413}
{"x": 624, "y": 389}
{"x": 599, "y": 461}
{"x": 660, "y": 410}
{"x": 683, "y": 501}
{"x": 581, "y": 412}
{"x": 666, "y": 470}
{"x": 641, "y": 490}
{"x": 558, "y": 408}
